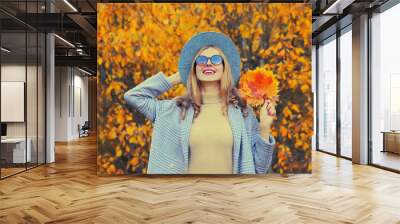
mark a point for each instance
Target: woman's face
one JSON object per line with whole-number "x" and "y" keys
{"x": 209, "y": 71}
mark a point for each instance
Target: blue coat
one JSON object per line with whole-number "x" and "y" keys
{"x": 169, "y": 152}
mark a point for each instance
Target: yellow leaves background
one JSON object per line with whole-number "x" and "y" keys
{"x": 137, "y": 40}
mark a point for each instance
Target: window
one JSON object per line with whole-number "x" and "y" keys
{"x": 346, "y": 93}
{"x": 327, "y": 96}
{"x": 394, "y": 102}
{"x": 385, "y": 89}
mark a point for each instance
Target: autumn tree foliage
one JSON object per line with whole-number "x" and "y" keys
{"x": 137, "y": 40}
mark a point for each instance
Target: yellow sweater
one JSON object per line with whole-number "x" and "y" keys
{"x": 211, "y": 140}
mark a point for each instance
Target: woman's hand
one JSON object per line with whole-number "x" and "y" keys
{"x": 174, "y": 78}
{"x": 267, "y": 114}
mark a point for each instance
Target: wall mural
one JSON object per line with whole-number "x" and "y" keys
{"x": 197, "y": 88}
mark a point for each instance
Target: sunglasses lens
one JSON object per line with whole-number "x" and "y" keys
{"x": 201, "y": 60}
{"x": 216, "y": 59}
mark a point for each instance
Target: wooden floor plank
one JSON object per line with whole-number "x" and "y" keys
{"x": 69, "y": 191}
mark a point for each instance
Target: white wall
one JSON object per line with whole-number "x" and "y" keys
{"x": 61, "y": 103}
{"x": 71, "y": 93}
{"x": 80, "y": 110}
{"x": 12, "y": 73}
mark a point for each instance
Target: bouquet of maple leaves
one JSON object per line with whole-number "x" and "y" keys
{"x": 257, "y": 86}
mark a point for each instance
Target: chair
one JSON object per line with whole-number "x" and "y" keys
{"x": 84, "y": 130}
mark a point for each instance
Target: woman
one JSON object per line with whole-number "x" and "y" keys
{"x": 209, "y": 130}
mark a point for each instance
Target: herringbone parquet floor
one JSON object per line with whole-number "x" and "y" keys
{"x": 69, "y": 191}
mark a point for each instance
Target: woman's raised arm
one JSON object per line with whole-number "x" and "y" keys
{"x": 143, "y": 96}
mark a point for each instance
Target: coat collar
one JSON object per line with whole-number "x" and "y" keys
{"x": 236, "y": 122}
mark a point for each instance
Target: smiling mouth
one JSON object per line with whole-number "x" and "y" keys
{"x": 208, "y": 71}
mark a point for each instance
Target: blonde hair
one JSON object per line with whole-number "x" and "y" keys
{"x": 227, "y": 92}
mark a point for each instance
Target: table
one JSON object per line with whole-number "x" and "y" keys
{"x": 13, "y": 150}
{"x": 391, "y": 141}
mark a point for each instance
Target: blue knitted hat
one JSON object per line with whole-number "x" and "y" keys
{"x": 203, "y": 39}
